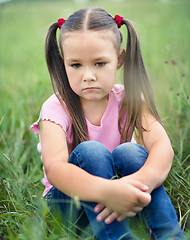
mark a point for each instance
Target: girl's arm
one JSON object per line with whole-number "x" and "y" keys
{"x": 66, "y": 177}
{"x": 157, "y": 166}
{"x": 74, "y": 181}
{"x": 159, "y": 161}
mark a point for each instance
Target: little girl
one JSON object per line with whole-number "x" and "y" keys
{"x": 87, "y": 131}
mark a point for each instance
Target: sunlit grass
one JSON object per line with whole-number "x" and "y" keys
{"x": 164, "y": 31}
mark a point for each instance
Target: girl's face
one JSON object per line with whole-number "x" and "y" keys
{"x": 91, "y": 60}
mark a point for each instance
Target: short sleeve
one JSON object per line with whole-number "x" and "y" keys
{"x": 52, "y": 110}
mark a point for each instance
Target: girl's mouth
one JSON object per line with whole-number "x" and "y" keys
{"x": 91, "y": 88}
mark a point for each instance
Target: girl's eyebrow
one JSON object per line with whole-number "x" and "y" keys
{"x": 72, "y": 60}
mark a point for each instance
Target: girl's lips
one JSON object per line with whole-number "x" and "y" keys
{"x": 91, "y": 88}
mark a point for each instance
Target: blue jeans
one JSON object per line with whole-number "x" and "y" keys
{"x": 159, "y": 216}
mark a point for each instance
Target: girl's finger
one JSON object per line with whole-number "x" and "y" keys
{"x": 121, "y": 218}
{"x": 112, "y": 217}
{"x": 145, "y": 199}
{"x": 137, "y": 209}
{"x": 99, "y": 207}
{"x": 106, "y": 212}
{"x": 130, "y": 214}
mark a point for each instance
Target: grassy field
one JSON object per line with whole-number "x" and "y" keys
{"x": 164, "y": 31}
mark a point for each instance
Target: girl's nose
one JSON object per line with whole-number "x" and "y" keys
{"x": 89, "y": 75}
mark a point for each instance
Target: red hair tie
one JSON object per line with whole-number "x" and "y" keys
{"x": 60, "y": 22}
{"x": 119, "y": 20}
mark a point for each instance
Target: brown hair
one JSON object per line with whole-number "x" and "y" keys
{"x": 137, "y": 88}
{"x": 136, "y": 81}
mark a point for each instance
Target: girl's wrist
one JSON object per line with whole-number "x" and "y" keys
{"x": 145, "y": 177}
{"x": 101, "y": 190}
{"x": 106, "y": 190}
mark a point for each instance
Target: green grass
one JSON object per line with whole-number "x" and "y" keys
{"x": 164, "y": 31}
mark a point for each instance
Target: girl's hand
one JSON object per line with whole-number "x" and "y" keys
{"x": 109, "y": 215}
{"x": 128, "y": 204}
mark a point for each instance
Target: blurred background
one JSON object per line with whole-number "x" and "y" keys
{"x": 163, "y": 27}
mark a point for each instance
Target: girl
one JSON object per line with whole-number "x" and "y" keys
{"x": 86, "y": 130}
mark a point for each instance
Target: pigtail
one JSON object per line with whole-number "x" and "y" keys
{"x": 137, "y": 86}
{"x": 61, "y": 85}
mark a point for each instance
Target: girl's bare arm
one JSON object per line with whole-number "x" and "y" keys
{"x": 159, "y": 161}
{"x": 66, "y": 177}
{"x": 74, "y": 181}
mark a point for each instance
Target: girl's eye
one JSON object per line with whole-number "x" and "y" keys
{"x": 100, "y": 64}
{"x": 76, "y": 65}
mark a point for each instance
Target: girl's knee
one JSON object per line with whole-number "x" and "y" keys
{"x": 130, "y": 148}
{"x": 129, "y": 157}
{"x": 93, "y": 157}
{"x": 89, "y": 149}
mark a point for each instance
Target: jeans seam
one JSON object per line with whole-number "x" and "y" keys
{"x": 147, "y": 223}
{"x": 77, "y": 155}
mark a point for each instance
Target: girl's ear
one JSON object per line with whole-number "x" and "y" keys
{"x": 121, "y": 58}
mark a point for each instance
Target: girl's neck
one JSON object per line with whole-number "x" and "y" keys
{"x": 94, "y": 110}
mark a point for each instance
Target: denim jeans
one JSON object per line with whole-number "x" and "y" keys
{"x": 159, "y": 216}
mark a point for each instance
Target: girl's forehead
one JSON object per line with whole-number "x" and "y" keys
{"x": 88, "y": 36}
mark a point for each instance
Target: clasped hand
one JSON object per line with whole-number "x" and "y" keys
{"x": 124, "y": 198}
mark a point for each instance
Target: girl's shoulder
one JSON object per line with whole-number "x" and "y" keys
{"x": 53, "y": 110}
{"x": 52, "y": 100}
{"x": 56, "y": 104}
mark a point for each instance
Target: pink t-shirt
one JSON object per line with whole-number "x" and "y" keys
{"x": 107, "y": 133}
